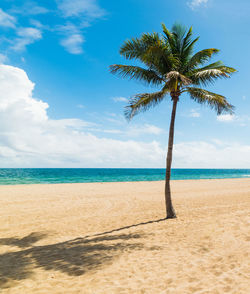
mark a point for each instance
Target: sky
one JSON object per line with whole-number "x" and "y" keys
{"x": 61, "y": 107}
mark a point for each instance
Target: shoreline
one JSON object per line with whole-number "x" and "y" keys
{"x": 113, "y": 182}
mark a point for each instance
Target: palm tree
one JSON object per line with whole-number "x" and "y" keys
{"x": 169, "y": 63}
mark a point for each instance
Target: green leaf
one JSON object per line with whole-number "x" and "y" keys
{"x": 136, "y": 72}
{"x": 209, "y": 74}
{"x": 215, "y": 101}
{"x": 144, "y": 101}
{"x": 201, "y": 57}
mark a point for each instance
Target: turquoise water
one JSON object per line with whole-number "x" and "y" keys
{"x": 14, "y": 176}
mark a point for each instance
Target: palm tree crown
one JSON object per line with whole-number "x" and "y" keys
{"x": 170, "y": 64}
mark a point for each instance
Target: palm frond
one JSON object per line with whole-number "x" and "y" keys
{"x": 144, "y": 101}
{"x": 136, "y": 72}
{"x": 137, "y": 47}
{"x": 169, "y": 38}
{"x": 185, "y": 42}
{"x": 160, "y": 56}
{"x": 187, "y": 39}
{"x": 215, "y": 101}
{"x": 207, "y": 75}
{"x": 201, "y": 57}
{"x": 151, "y": 50}
{"x": 189, "y": 48}
{"x": 178, "y": 31}
{"x": 216, "y": 65}
{"x": 181, "y": 43}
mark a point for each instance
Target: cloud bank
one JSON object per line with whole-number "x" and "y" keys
{"x": 30, "y": 138}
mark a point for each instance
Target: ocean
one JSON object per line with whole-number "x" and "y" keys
{"x": 16, "y": 176}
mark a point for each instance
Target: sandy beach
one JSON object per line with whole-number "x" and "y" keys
{"x": 109, "y": 238}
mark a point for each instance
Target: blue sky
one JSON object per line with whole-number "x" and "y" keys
{"x": 60, "y": 106}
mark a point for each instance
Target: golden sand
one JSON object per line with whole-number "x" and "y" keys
{"x": 109, "y": 238}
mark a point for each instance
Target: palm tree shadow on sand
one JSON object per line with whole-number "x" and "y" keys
{"x": 73, "y": 257}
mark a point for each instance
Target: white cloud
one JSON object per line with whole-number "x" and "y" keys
{"x": 29, "y": 8}
{"x": 34, "y": 10}
{"x": 244, "y": 97}
{"x": 111, "y": 114}
{"x": 135, "y": 130}
{"x": 3, "y": 58}
{"x": 73, "y": 43}
{"x": 32, "y": 33}
{"x": 241, "y": 120}
{"x": 28, "y": 137}
{"x": 196, "y": 3}
{"x": 7, "y": 20}
{"x": 129, "y": 130}
{"x": 72, "y": 8}
{"x": 73, "y": 38}
{"x": 36, "y": 23}
{"x": 194, "y": 113}
{"x": 84, "y": 11}
{"x": 25, "y": 37}
{"x": 226, "y": 117}
{"x": 68, "y": 29}
{"x": 211, "y": 155}
{"x": 116, "y": 119}
{"x": 120, "y": 99}
{"x": 112, "y": 131}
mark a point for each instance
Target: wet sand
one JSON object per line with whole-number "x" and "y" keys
{"x": 110, "y": 238}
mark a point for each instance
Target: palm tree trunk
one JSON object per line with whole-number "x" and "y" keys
{"x": 169, "y": 207}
